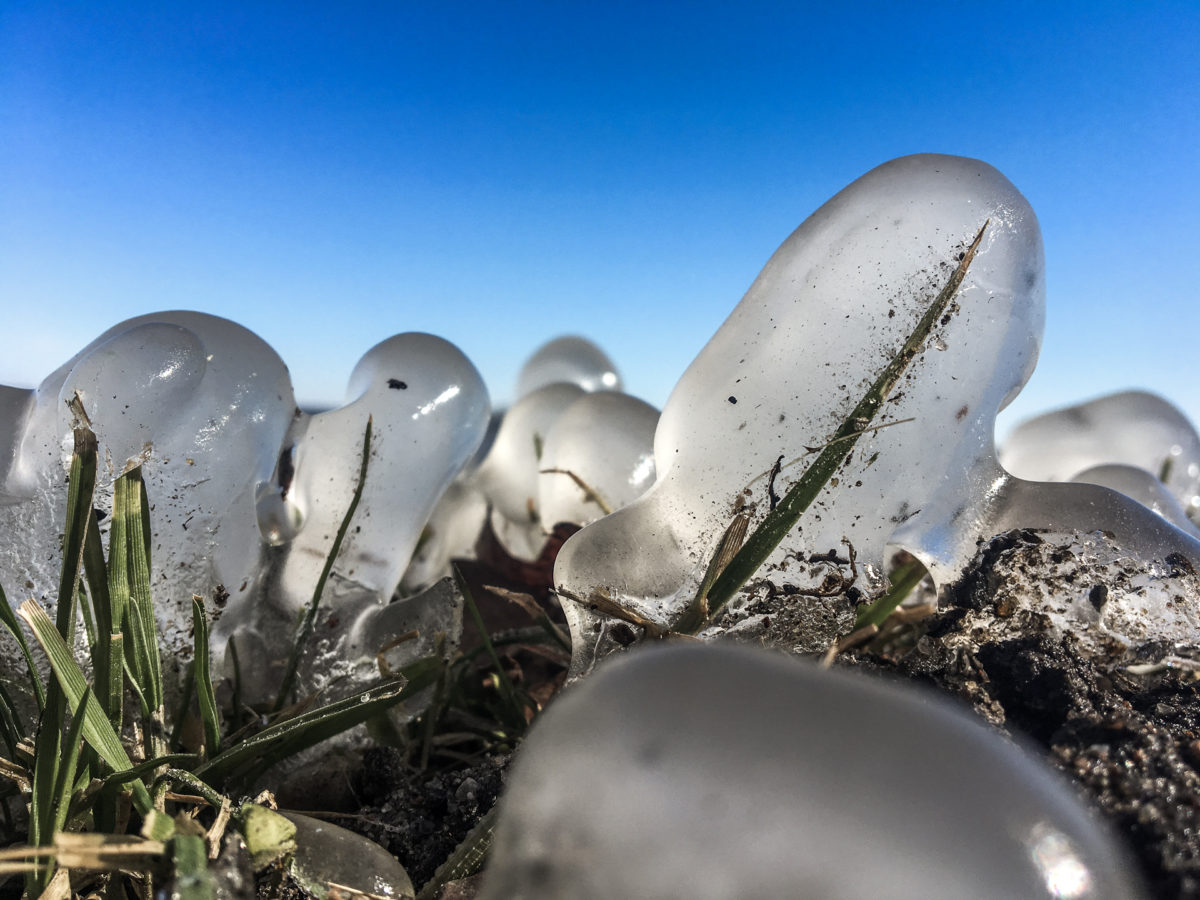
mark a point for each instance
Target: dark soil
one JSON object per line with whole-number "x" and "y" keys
{"x": 421, "y": 817}
{"x": 1131, "y": 743}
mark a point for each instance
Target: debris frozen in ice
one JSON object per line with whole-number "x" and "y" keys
{"x": 429, "y": 409}
{"x": 509, "y": 474}
{"x": 825, "y": 316}
{"x": 713, "y": 772}
{"x": 1133, "y": 428}
{"x": 598, "y": 456}
{"x": 203, "y": 404}
{"x": 1117, "y": 606}
{"x": 571, "y": 360}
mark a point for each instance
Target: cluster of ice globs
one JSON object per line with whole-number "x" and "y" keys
{"x": 248, "y": 491}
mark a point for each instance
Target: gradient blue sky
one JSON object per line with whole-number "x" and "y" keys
{"x": 498, "y": 174}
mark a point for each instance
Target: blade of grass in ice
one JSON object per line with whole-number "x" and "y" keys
{"x": 779, "y": 521}
{"x": 97, "y": 730}
{"x": 310, "y": 614}
{"x": 141, "y": 626}
{"x": 290, "y": 736}
{"x": 202, "y": 678}
{"x": 904, "y": 580}
{"x": 184, "y": 704}
{"x": 9, "y": 618}
{"x": 79, "y": 509}
{"x": 108, "y": 651}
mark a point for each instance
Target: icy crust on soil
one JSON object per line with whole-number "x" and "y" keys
{"x": 713, "y": 772}
{"x": 246, "y": 491}
{"x": 826, "y": 315}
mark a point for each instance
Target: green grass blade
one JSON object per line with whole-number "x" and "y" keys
{"x": 310, "y": 615}
{"x": 9, "y": 618}
{"x": 11, "y": 726}
{"x": 141, "y": 605}
{"x": 97, "y": 730}
{"x": 47, "y": 759}
{"x": 79, "y": 509}
{"x": 904, "y": 580}
{"x": 513, "y": 706}
{"x": 65, "y": 780}
{"x": 779, "y": 521}
{"x": 293, "y": 735}
{"x": 205, "y": 698}
{"x": 189, "y": 857}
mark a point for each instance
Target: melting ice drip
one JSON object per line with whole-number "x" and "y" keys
{"x": 829, "y": 310}
{"x": 247, "y": 492}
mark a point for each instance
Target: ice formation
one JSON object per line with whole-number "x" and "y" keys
{"x": 598, "y": 456}
{"x": 247, "y": 493}
{"x": 203, "y": 404}
{"x": 1132, "y": 428}
{"x": 715, "y": 771}
{"x": 827, "y": 314}
{"x": 568, "y": 360}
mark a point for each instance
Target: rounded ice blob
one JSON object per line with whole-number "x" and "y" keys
{"x": 718, "y": 771}
{"x": 571, "y": 360}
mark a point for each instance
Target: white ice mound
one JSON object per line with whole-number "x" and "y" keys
{"x": 598, "y": 457}
{"x": 429, "y": 410}
{"x": 1133, "y": 428}
{"x": 247, "y": 493}
{"x": 570, "y": 360}
{"x": 203, "y": 404}
{"x": 716, "y": 772}
{"x": 509, "y": 474}
{"x": 826, "y": 315}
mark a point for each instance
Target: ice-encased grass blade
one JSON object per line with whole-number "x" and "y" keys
{"x": 904, "y": 580}
{"x": 293, "y": 735}
{"x": 202, "y": 678}
{"x": 779, "y": 521}
{"x": 132, "y": 507}
{"x": 189, "y": 857}
{"x": 97, "y": 730}
{"x": 81, "y": 487}
{"x": 310, "y": 614}
{"x": 109, "y": 645}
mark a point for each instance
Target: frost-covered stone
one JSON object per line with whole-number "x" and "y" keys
{"x": 570, "y": 360}
{"x": 605, "y": 440}
{"x": 715, "y": 772}
{"x": 1133, "y": 428}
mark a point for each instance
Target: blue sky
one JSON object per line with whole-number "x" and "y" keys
{"x": 499, "y": 174}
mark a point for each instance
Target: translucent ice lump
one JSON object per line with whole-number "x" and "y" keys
{"x": 714, "y": 772}
{"x": 203, "y": 404}
{"x": 246, "y": 492}
{"x": 1132, "y": 428}
{"x": 827, "y": 314}
{"x": 429, "y": 410}
{"x": 598, "y": 457}
{"x": 569, "y": 360}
